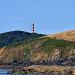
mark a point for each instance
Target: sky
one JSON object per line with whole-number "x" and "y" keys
{"x": 49, "y": 16}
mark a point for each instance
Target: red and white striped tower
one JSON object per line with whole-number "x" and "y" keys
{"x": 33, "y": 28}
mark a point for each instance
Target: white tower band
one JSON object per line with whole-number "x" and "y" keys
{"x": 33, "y": 28}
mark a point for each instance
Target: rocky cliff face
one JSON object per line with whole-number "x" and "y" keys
{"x": 11, "y": 55}
{"x": 53, "y": 51}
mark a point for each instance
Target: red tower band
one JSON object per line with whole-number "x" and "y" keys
{"x": 33, "y": 31}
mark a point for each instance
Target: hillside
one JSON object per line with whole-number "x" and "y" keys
{"x": 43, "y": 50}
{"x": 14, "y": 37}
{"x": 67, "y": 35}
{"x": 51, "y": 51}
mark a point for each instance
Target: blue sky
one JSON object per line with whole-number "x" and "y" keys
{"x": 49, "y": 16}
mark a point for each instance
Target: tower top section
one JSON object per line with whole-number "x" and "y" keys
{"x": 32, "y": 23}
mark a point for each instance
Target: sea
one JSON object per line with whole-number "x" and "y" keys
{"x": 5, "y": 72}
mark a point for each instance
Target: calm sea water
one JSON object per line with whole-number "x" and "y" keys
{"x": 5, "y": 71}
